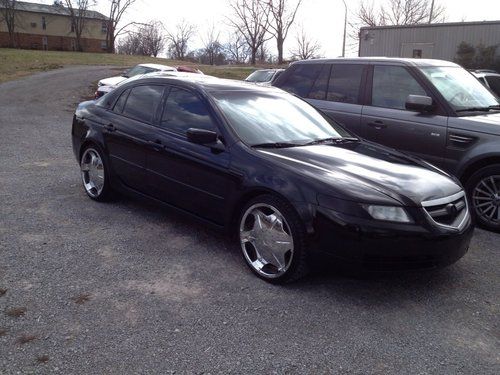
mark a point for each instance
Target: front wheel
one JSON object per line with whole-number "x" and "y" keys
{"x": 273, "y": 239}
{"x": 483, "y": 189}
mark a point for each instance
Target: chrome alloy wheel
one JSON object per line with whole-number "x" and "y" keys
{"x": 486, "y": 199}
{"x": 266, "y": 240}
{"x": 92, "y": 169}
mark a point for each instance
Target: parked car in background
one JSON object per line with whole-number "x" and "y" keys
{"x": 273, "y": 170}
{"x": 264, "y": 76}
{"x": 136, "y": 70}
{"x": 489, "y": 78}
{"x": 432, "y": 109}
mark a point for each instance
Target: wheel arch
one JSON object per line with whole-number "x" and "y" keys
{"x": 477, "y": 164}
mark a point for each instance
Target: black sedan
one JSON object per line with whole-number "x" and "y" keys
{"x": 270, "y": 168}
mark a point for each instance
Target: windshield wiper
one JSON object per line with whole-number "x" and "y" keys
{"x": 332, "y": 140}
{"x": 276, "y": 145}
{"x": 479, "y": 109}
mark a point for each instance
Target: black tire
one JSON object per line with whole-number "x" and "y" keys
{"x": 106, "y": 193}
{"x": 297, "y": 262}
{"x": 475, "y": 182}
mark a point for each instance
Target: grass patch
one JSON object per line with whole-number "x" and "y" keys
{"x": 16, "y": 63}
{"x": 16, "y": 312}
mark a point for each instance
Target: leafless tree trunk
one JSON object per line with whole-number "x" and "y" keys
{"x": 212, "y": 46}
{"x": 306, "y": 48}
{"x": 116, "y": 11}
{"x": 236, "y": 49}
{"x": 78, "y": 18}
{"x": 8, "y": 9}
{"x": 178, "y": 40}
{"x": 153, "y": 40}
{"x": 283, "y": 15}
{"x": 251, "y": 20}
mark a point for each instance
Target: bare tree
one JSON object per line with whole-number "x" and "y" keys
{"x": 178, "y": 40}
{"x": 116, "y": 11}
{"x": 283, "y": 15}
{"x": 306, "y": 48}
{"x": 251, "y": 20}
{"x": 8, "y": 13}
{"x": 78, "y": 17}
{"x": 212, "y": 47}
{"x": 153, "y": 40}
{"x": 236, "y": 49}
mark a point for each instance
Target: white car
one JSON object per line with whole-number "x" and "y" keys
{"x": 136, "y": 70}
{"x": 489, "y": 78}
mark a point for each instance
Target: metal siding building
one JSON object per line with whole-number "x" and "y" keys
{"x": 433, "y": 41}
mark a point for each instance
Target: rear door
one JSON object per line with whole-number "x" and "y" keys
{"x": 385, "y": 119}
{"x": 126, "y": 133}
{"x": 190, "y": 176}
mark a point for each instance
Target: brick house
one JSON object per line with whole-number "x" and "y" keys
{"x": 49, "y": 27}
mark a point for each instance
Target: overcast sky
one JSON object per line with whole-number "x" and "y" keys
{"x": 322, "y": 19}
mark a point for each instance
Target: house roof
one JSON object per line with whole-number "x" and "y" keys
{"x": 54, "y": 9}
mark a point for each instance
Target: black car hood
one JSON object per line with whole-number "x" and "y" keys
{"x": 366, "y": 172}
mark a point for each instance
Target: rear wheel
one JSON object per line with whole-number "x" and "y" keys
{"x": 272, "y": 239}
{"x": 94, "y": 172}
{"x": 483, "y": 189}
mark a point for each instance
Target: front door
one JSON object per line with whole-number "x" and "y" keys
{"x": 388, "y": 122}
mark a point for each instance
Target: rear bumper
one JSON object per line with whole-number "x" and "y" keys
{"x": 386, "y": 249}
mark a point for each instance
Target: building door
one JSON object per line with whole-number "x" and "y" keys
{"x": 417, "y": 50}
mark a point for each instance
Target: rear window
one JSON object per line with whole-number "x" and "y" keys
{"x": 345, "y": 83}
{"x": 302, "y": 78}
{"x": 142, "y": 102}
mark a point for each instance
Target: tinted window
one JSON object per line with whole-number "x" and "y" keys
{"x": 392, "y": 85}
{"x": 184, "y": 110}
{"x": 120, "y": 103}
{"x": 142, "y": 102}
{"x": 302, "y": 78}
{"x": 494, "y": 83}
{"x": 345, "y": 82}
{"x": 318, "y": 90}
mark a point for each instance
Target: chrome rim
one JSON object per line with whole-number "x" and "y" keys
{"x": 92, "y": 170}
{"x": 266, "y": 240}
{"x": 486, "y": 199}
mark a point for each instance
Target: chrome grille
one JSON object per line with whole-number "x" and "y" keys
{"x": 449, "y": 211}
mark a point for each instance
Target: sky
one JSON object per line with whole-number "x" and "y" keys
{"x": 323, "y": 20}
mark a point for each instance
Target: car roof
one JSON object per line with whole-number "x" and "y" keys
{"x": 383, "y": 60}
{"x": 158, "y": 66}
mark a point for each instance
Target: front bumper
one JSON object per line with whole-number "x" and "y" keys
{"x": 377, "y": 246}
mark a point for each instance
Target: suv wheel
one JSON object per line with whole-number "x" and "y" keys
{"x": 483, "y": 189}
{"x": 94, "y": 172}
{"x": 272, "y": 239}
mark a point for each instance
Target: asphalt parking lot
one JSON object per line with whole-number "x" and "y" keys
{"x": 129, "y": 287}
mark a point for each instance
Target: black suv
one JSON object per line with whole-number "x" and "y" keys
{"x": 432, "y": 109}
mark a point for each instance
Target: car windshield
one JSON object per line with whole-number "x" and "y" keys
{"x": 460, "y": 88}
{"x": 271, "y": 118}
{"x": 260, "y": 76}
{"x": 139, "y": 69}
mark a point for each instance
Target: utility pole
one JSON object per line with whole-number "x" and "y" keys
{"x": 431, "y": 11}
{"x": 345, "y": 27}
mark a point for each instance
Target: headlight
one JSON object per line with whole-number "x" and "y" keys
{"x": 388, "y": 213}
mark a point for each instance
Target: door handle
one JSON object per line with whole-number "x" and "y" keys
{"x": 110, "y": 127}
{"x": 157, "y": 145}
{"x": 379, "y": 125}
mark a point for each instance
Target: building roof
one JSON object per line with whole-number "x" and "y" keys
{"x": 54, "y": 9}
{"x": 384, "y": 60}
{"x": 425, "y": 25}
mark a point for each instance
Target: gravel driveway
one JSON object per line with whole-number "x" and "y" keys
{"x": 129, "y": 287}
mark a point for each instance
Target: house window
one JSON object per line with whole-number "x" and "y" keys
{"x": 417, "y": 54}
{"x": 33, "y": 24}
{"x": 44, "y": 24}
{"x": 104, "y": 45}
{"x": 104, "y": 27}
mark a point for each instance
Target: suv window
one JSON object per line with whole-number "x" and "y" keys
{"x": 142, "y": 102}
{"x": 302, "y": 78}
{"x": 184, "y": 110}
{"x": 345, "y": 82}
{"x": 392, "y": 85}
{"x": 494, "y": 82}
{"x": 318, "y": 90}
{"x": 120, "y": 103}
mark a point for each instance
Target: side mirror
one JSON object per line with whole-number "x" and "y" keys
{"x": 125, "y": 73}
{"x": 202, "y": 136}
{"x": 419, "y": 103}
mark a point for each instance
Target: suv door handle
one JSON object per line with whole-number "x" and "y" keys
{"x": 157, "y": 145}
{"x": 379, "y": 125}
{"x": 110, "y": 127}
